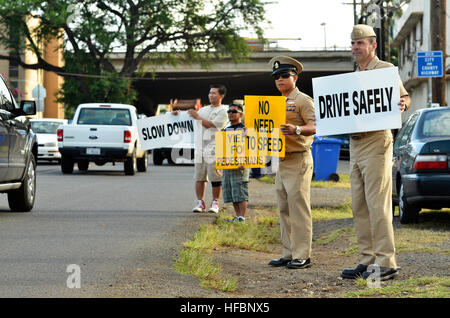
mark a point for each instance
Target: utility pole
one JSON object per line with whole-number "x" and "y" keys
{"x": 438, "y": 43}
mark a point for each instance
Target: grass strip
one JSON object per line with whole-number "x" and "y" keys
{"x": 343, "y": 211}
{"x": 419, "y": 287}
{"x": 343, "y": 183}
{"x": 195, "y": 258}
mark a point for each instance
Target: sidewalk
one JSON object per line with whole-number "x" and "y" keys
{"x": 263, "y": 194}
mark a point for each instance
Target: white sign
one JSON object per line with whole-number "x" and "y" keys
{"x": 167, "y": 130}
{"x": 357, "y": 102}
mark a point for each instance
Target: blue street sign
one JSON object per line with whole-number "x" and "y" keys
{"x": 430, "y": 64}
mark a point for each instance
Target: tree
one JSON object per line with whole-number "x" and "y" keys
{"x": 171, "y": 31}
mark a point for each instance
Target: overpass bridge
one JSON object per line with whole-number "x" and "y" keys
{"x": 251, "y": 77}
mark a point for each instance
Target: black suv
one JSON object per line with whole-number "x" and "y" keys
{"x": 18, "y": 151}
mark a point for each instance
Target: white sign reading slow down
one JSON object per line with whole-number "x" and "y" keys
{"x": 167, "y": 131}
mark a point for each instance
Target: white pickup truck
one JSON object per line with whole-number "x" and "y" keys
{"x": 101, "y": 133}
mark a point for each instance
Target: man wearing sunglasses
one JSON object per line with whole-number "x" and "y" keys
{"x": 293, "y": 178}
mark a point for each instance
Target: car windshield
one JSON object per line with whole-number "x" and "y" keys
{"x": 436, "y": 124}
{"x": 104, "y": 116}
{"x": 45, "y": 127}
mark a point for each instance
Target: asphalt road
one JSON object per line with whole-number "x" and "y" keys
{"x": 101, "y": 221}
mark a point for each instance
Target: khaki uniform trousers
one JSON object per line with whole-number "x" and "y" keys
{"x": 293, "y": 189}
{"x": 371, "y": 187}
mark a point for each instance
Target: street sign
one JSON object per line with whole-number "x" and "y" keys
{"x": 430, "y": 64}
{"x": 39, "y": 92}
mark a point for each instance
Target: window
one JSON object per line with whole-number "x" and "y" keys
{"x": 400, "y": 55}
{"x": 404, "y": 135}
{"x": 104, "y": 116}
{"x": 421, "y": 30}
{"x": 436, "y": 124}
{"x": 406, "y": 50}
{"x": 45, "y": 127}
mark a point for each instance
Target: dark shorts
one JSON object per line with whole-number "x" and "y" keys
{"x": 235, "y": 185}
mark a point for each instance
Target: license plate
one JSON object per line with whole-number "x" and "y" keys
{"x": 92, "y": 151}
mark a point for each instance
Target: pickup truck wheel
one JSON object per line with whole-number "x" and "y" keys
{"x": 66, "y": 165}
{"x": 83, "y": 165}
{"x": 142, "y": 163}
{"x": 158, "y": 157}
{"x": 22, "y": 199}
{"x": 130, "y": 165}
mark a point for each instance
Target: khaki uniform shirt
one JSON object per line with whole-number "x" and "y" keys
{"x": 299, "y": 112}
{"x": 377, "y": 63}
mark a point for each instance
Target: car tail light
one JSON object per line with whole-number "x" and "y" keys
{"x": 127, "y": 136}
{"x": 60, "y": 134}
{"x": 430, "y": 162}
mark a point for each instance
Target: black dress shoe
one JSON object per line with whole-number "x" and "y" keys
{"x": 353, "y": 273}
{"x": 384, "y": 274}
{"x": 299, "y": 263}
{"x": 279, "y": 262}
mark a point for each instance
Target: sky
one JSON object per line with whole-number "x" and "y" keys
{"x": 303, "y": 19}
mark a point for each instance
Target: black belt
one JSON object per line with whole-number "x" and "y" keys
{"x": 359, "y": 136}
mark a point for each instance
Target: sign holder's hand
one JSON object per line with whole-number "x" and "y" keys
{"x": 402, "y": 104}
{"x": 287, "y": 129}
{"x": 193, "y": 113}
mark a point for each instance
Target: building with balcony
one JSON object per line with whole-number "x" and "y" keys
{"x": 22, "y": 81}
{"x": 411, "y": 35}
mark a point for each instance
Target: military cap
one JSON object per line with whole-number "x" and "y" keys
{"x": 239, "y": 103}
{"x": 361, "y": 31}
{"x": 282, "y": 63}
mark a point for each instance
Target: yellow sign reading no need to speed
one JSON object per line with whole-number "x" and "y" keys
{"x": 265, "y": 114}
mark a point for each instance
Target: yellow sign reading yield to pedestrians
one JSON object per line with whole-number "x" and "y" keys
{"x": 265, "y": 114}
{"x": 237, "y": 148}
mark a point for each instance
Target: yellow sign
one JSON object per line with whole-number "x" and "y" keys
{"x": 265, "y": 114}
{"x": 238, "y": 148}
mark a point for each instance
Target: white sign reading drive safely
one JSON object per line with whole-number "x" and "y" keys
{"x": 166, "y": 130}
{"x": 357, "y": 102}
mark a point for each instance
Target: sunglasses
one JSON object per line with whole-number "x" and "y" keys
{"x": 282, "y": 75}
{"x": 234, "y": 111}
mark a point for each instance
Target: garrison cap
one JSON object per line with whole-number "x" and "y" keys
{"x": 361, "y": 31}
{"x": 282, "y": 63}
{"x": 239, "y": 103}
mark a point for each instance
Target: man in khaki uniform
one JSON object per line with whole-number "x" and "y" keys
{"x": 294, "y": 174}
{"x": 370, "y": 177}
